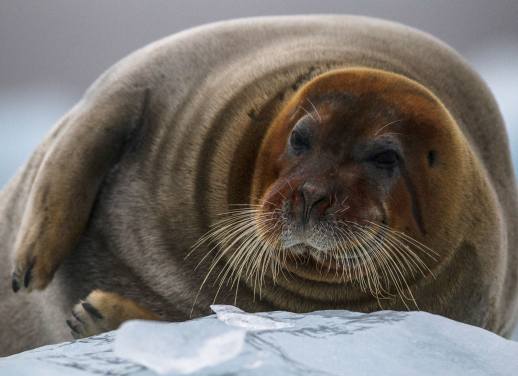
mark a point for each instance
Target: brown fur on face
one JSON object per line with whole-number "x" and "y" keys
{"x": 355, "y": 114}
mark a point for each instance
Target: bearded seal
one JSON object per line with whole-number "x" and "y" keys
{"x": 296, "y": 163}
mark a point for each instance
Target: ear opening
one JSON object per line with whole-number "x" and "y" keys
{"x": 86, "y": 144}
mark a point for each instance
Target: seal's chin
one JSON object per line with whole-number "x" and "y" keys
{"x": 326, "y": 265}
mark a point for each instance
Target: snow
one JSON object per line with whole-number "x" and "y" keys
{"x": 280, "y": 343}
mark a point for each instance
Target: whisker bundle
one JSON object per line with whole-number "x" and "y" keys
{"x": 379, "y": 259}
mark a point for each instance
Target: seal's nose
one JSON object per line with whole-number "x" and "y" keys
{"x": 310, "y": 202}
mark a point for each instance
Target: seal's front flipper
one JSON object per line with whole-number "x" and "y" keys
{"x": 76, "y": 158}
{"x": 104, "y": 311}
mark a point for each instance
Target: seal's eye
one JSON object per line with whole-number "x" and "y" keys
{"x": 299, "y": 141}
{"x": 386, "y": 159}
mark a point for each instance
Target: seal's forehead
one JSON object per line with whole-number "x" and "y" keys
{"x": 360, "y": 80}
{"x": 351, "y": 114}
{"x": 344, "y": 124}
{"x": 372, "y": 94}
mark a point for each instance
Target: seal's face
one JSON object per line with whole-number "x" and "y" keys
{"x": 353, "y": 184}
{"x": 334, "y": 170}
{"x": 342, "y": 178}
{"x": 338, "y": 176}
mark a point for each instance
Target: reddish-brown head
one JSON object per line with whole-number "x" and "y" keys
{"x": 353, "y": 156}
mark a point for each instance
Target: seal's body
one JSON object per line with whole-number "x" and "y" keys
{"x": 175, "y": 134}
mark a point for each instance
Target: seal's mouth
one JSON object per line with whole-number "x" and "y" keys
{"x": 252, "y": 246}
{"x": 336, "y": 265}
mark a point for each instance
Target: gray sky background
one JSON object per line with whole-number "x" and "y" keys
{"x": 68, "y": 43}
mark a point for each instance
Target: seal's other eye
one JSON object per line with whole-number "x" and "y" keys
{"x": 300, "y": 138}
{"x": 386, "y": 159}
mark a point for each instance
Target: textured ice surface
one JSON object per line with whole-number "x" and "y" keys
{"x": 91, "y": 356}
{"x": 237, "y": 317}
{"x": 280, "y": 343}
{"x": 179, "y": 348}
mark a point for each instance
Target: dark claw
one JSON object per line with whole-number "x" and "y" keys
{"x": 76, "y": 316}
{"x": 92, "y": 310}
{"x": 14, "y": 283}
{"x": 28, "y": 274}
{"x": 72, "y": 327}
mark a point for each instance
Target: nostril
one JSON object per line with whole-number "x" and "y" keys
{"x": 315, "y": 200}
{"x": 313, "y": 194}
{"x": 298, "y": 198}
{"x": 319, "y": 207}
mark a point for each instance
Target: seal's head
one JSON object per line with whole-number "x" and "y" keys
{"x": 355, "y": 181}
{"x": 355, "y": 175}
